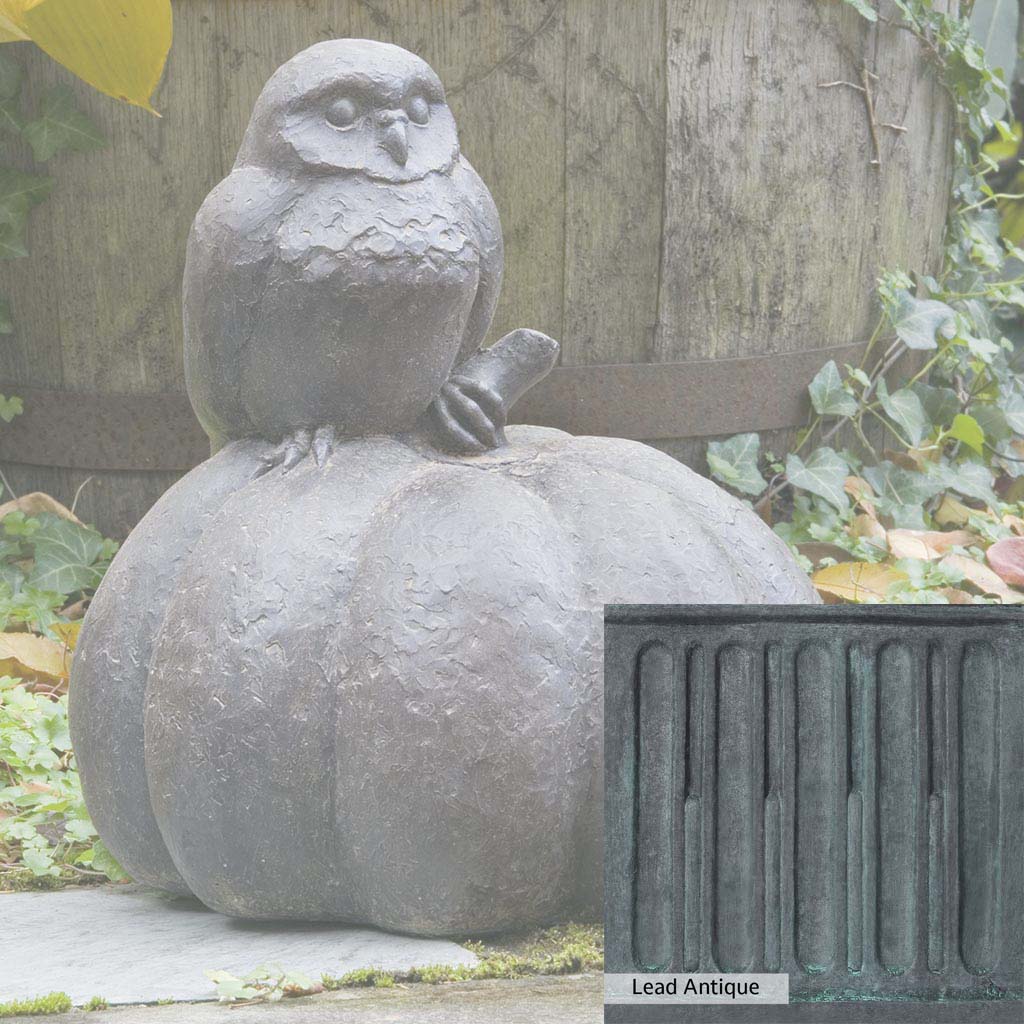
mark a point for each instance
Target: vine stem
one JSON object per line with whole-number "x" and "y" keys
{"x": 875, "y": 334}
{"x": 995, "y": 197}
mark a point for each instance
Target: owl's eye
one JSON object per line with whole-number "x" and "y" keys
{"x": 418, "y": 110}
{"x": 342, "y": 113}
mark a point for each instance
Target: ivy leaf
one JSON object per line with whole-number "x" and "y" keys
{"x": 734, "y": 462}
{"x": 61, "y": 127}
{"x": 917, "y": 321}
{"x": 827, "y": 394}
{"x": 1012, "y": 405}
{"x": 6, "y": 320}
{"x": 971, "y": 479}
{"x": 10, "y": 78}
{"x": 992, "y": 421}
{"x": 12, "y": 245}
{"x": 824, "y": 475}
{"x": 940, "y": 404}
{"x": 18, "y": 194}
{"x": 904, "y": 408}
{"x": 20, "y": 189}
{"x": 66, "y": 556}
{"x": 11, "y": 118}
{"x": 10, "y": 407}
{"x": 864, "y": 9}
{"x": 901, "y": 486}
{"x": 981, "y": 348}
{"x": 965, "y": 428}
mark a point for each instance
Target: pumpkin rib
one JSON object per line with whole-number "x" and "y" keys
{"x": 265, "y": 576}
{"x": 110, "y": 670}
{"x": 559, "y": 455}
{"x": 778, "y": 579}
{"x": 425, "y": 648}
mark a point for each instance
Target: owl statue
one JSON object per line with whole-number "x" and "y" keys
{"x": 350, "y": 667}
{"x": 350, "y": 260}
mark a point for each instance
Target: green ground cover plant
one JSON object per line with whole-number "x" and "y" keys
{"x": 925, "y": 501}
{"x": 55, "y": 1002}
{"x": 50, "y": 564}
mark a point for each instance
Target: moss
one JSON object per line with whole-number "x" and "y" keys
{"x": 55, "y": 1002}
{"x": 565, "y": 949}
{"x": 364, "y": 977}
{"x": 18, "y": 880}
{"x": 96, "y": 1003}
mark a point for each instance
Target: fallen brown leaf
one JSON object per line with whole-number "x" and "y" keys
{"x": 36, "y": 502}
{"x": 913, "y": 459}
{"x": 37, "y": 787}
{"x": 861, "y": 491}
{"x": 1015, "y": 523}
{"x": 1007, "y": 559}
{"x": 868, "y": 527}
{"x": 33, "y": 657}
{"x": 983, "y": 578}
{"x": 927, "y": 544}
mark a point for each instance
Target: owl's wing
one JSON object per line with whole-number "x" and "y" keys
{"x": 231, "y": 248}
{"x": 483, "y": 216}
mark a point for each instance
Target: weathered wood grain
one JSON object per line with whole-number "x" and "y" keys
{"x": 614, "y": 144}
{"x": 776, "y": 222}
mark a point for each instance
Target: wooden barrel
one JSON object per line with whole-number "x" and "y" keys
{"x": 689, "y": 205}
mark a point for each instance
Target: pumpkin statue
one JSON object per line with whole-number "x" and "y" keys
{"x": 350, "y": 667}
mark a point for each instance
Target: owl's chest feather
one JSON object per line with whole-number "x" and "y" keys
{"x": 351, "y": 227}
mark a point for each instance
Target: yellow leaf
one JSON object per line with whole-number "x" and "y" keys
{"x": 33, "y": 657}
{"x": 952, "y": 512}
{"x": 983, "y": 578}
{"x": 860, "y": 582}
{"x": 68, "y": 632}
{"x": 117, "y": 46}
{"x": 9, "y": 31}
{"x": 12, "y": 13}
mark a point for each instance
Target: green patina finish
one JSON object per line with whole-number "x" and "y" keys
{"x": 831, "y": 792}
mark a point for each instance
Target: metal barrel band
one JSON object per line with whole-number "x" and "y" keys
{"x": 639, "y": 401}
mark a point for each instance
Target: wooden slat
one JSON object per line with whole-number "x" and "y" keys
{"x": 615, "y": 157}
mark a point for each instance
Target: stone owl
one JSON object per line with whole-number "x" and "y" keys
{"x": 350, "y": 260}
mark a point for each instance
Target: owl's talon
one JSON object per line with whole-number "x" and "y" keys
{"x": 323, "y": 444}
{"x": 469, "y": 414}
{"x": 453, "y": 435}
{"x": 486, "y": 397}
{"x": 296, "y": 448}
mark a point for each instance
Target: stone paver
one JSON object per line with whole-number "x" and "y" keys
{"x": 131, "y": 946}
{"x": 575, "y": 1000}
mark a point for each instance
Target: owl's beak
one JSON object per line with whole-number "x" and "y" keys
{"x": 395, "y": 142}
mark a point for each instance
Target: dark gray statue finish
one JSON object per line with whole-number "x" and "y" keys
{"x": 835, "y": 793}
{"x": 350, "y": 667}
